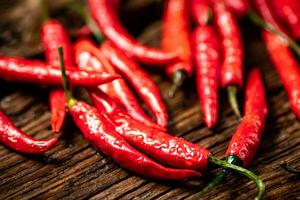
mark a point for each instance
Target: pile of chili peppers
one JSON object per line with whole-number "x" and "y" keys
{"x": 208, "y": 43}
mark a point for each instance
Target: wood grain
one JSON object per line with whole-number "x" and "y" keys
{"x": 75, "y": 170}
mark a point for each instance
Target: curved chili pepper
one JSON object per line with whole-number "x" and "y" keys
{"x": 23, "y": 70}
{"x": 289, "y": 13}
{"x": 170, "y": 150}
{"x": 164, "y": 147}
{"x": 232, "y": 67}
{"x": 286, "y": 67}
{"x": 111, "y": 27}
{"x": 101, "y": 133}
{"x": 140, "y": 81}
{"x": 201, "y": 11}
{"x": 176, "y": 25}
{"x": 19, "y": 141}
{"x": 90, "y": 57}
{"x": 238, "y": 7}
{"x": 54, "y": 35}
{"x": 246, "y": 139}
{"x": 207, "y": 63}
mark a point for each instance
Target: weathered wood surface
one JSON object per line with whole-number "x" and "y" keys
{"x": 75, "y": 170}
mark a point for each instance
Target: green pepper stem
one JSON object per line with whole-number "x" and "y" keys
{"x": 178, "y": 77}
{"x": 241, "y": 170}
{"x": 81, "y": 11}
{"x": 232, "y": 98}
{"x": 44, "y": 11}
{"x": 70, "y": 98}
{"x": 256, "y": 19}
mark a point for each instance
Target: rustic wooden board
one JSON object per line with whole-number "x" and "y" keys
{"x": 75, "y": 170}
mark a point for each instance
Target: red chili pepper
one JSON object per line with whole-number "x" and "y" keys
{"x": 164, "y": 147}
{"x": 89, "y": 56}
{"x": 111, "y": 27}
{"x": 264, "y": 9}
{"x": 286, "y": 67}
{"x": 246, "y": 139}
{"x": 167, "y": 149}
{"x": 238, "y": 7}
{"x": 207, "y": 63}
{"x": 201, "y": 11}
{"x": 54, "y": 35}
{"x": 23, "y": 70}
{"x": 175, "y": 38}
{"x": 19, "y": 141}
{"x": 232, "y": 48}
{"x": 289, "y": 13}
{"x": 101, "y": 133}
{"x": 140, "y": 81}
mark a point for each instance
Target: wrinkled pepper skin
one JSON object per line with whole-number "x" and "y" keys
{"x": 287, "y": 68}
{"x": 143, "y": 84}
{"x": 175, "y": 36}
{"x": 207, "y": 64}
{"x": 89, "y": 57}
{"x": 231, "y": 72}
{"x": 54, "y": 35}
{"x": 165, "y": 148}
{"x": 246, "y": 139}
{"x": 288, "y": 11}
{"x": 104, "y": 15}
{"x": 17, "y": 140}
{"x": 101, "y": 133}
{"x": 36, "y": 72}
{"x": 201, "y": 11}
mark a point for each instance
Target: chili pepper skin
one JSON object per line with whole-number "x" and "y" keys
{"x": 238, "y": 7}
{"x": 170, "y": 150}
{"x": 140, "y": 81}
{"x": 19, "y": 141}
{"x": 246, "y": 139}
{"x": 287, "y": 68}
{"x": 101, "y": 133}
{"x": 207, "y": 63}
{"x": 201, "y": 11}
{"x": 89, "y": 56}
{"x": 232, "y": 48}
{"x": 54, "y": 35}
{"x": 176, "y": 25}
{"x": 111, "y": 27}
{"x": 23, "y": 70}
{"x": 289, "y": 13}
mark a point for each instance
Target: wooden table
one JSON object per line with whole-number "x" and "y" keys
{"x": 75, "y": 170}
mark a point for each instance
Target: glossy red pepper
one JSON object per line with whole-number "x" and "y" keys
{"x": 264, "y": 9}
{"x": 288, "y": 11}
{"x": 201, "y": 11}
{"x": 100, "y": 132}
{"x": 287, "y": 68}
{"x": 19, "y": 141}
{"x": 23, "y": 70}
{"x": 54, "y": 35}
{"x": 207, "y": 63}
{"x": 164, "y": 147}
{"x": 231, "y": 72}
{"x": 89, "y": 57}
{"x": 238, "y": 7}
{"x": 104, "y": 15}
{"x": 246, "y": 139}
{"x": 175, "y": 38}
{"x": 143, "y": 84}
